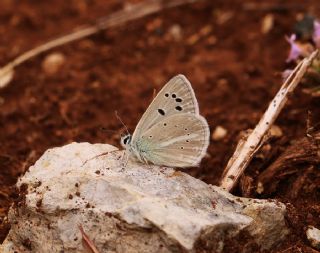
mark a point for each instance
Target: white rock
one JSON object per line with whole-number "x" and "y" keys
{"x": 176, "y": 32}
{"x": 313, "y": 235}
{"x": 219, "y": 133}
{"x": 53, "y": 63}
{"x": 275, "y": 131}
{"x": 136, "y": 208}
{"x": 267, "y": 23}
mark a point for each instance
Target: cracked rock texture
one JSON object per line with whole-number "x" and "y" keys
{"x": 131, "y": 208}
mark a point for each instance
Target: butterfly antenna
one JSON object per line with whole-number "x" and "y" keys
{"x": 118, "y": 117}
{"x": 107, "y": 130}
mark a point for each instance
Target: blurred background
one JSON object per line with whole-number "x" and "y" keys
{"x": 233, "y": 53}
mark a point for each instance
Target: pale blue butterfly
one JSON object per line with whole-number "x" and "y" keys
{"x": 171, "y": 132}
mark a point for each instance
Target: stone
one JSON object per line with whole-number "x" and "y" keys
{"x": 53, "y": 62}
{"x": 176, "y": 32}
{"x": 125, "y": 206}
{"x": 313, "y": 235}
{"x": 219, "y": 133}
{"x": 275, "y": 131}
{"x": 267, "y": 23}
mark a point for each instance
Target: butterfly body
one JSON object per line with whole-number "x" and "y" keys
{"x": 139, "y": 148}
{"x": 171, "y": 132}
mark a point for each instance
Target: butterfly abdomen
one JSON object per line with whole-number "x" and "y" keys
{"x": 140, "y": 149}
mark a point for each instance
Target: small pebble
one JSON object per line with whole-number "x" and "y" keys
{"x": 260, "y": 188}
{"x": 53, "y": 63}
{"x": 219, "y": 133}
{"x": 313, "y": 235}
{"x": 176, "y": 32}
{"x": 275, "y": 131}
{"x": 267, "y": 23}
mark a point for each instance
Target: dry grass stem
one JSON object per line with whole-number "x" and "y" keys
{"x": 246, "y": 149}
{"x": 88, "y": 245}
{"x": 118, "y": 18}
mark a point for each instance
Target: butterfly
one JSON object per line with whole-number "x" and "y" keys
{"x": 171, "y": 132}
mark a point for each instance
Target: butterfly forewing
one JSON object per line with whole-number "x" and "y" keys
{"x": 176, "y": 141}
{"x": 176, "y": 97}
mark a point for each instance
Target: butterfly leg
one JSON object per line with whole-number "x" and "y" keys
{"x": 102, "y": 154}
{"x": 144, "y": 160}
{"x": 125, "y": 158}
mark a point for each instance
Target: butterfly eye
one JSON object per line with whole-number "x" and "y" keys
{"x": 127, "y": 140}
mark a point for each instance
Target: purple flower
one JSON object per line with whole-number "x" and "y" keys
{"x": 295, "y": 50}
{"x": 316, "y": 33}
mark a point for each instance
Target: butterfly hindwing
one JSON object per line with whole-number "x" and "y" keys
{"x": 177, "y": 141}
{"x": 176, "y": 97}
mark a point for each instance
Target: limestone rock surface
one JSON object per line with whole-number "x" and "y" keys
{"x": 130, "y": 207}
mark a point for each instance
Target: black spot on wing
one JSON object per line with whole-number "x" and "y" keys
{"x": 161, "y": 111}
{"x": 178, "y": 108}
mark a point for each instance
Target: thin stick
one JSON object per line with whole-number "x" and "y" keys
{"x": 245, "y": 150}
{"x": 120, "y": 17}
{"x": 87, "y": 243}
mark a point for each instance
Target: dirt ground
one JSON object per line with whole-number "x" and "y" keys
{"x": 233, "y": 64}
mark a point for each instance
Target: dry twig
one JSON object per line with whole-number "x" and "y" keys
{"x": 118, "y": 18}
{"x": 246, "y": 149}
{"x": 88, "y": 245}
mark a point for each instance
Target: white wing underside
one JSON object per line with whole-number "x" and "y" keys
{"x": 183, "y": 141}
{"x": 178, "y": 88}
{"x": 171, "y": 132}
